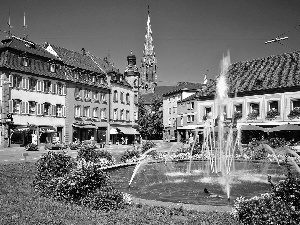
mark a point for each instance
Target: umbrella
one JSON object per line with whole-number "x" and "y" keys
{"x": 252, "y": 127}
{"x": 285, "y": 127}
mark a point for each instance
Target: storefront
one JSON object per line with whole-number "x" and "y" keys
{"x": 123, "y": 135}
{"x": 84, "y": 132}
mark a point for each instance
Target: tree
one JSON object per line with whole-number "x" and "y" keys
{"x": 151, "y": 118}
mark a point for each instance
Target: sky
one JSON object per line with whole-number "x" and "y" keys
{"x": 190, "y": 36}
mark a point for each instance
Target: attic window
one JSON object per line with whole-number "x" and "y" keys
{"x": 25, "y": 61}
{"x": 52, "y": 68}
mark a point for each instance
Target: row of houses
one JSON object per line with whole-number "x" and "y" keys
{"x": 264, "y": 92}
{"x": 52, "y": 92}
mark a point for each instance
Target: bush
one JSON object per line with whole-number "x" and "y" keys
{"x": 129, "y": 154}
{"x": 31, "y": 147}
{"x": 51, "y": 165}
{"x": 93, "y": 155}
{"x": 74, "y": 145}
{"x": 256, "y": 151}
{"x": 56, "y": 146}
{"x": 277, "y": 142}
{"x": 281, "y": 206}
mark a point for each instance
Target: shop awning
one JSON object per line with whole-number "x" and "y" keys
{"x": 190, "y": 127}
{"x": 87, "y": 126}
{"x": 113, "y": 131}
{"x": 128, "y": 130}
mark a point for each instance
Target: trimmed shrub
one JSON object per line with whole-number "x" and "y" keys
{"x": 129, "y": 154}
{"x": 31, "y": 147}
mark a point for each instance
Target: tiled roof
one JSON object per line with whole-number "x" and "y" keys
{"x": 77, "y": 60}
{"x": 158, "y": 90}
{"x": 183, "y": 86}
{"x": 25, "y": 46}
{"x": 270, "y": 73}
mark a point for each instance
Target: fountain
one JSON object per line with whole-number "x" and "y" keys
{"x": 220, "y": 173}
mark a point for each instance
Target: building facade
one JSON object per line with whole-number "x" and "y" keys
{"x": 33, "y": 90}
{"x": 170, "y": 109}
{"x": 263, "y": 92}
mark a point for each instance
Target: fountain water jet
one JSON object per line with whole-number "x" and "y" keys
{"x": 220, "y": 151}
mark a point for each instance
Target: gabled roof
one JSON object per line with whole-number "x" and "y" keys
{"x": 78, "y": 60}
{"x": 182, "y": 86}
{"x": 158, "y": 90}
{"x": 25, "y": 46}
{"x": 273, "y": 73}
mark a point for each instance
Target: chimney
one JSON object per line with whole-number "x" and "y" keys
{"x": 83, "y": 51}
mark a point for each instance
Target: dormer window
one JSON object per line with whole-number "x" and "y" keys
{"x": 52, "y": 68}
{"x": 25, "y": 61}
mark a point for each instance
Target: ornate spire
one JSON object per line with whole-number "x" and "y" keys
{"x": 148, "y": 78}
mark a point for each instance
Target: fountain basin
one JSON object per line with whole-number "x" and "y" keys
{"x": 170, "y": 182}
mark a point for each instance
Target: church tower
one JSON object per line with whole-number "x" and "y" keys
{"x": 148, "y": 80}
{"x": 131, "y": 73}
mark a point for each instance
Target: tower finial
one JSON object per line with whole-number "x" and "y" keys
{"x": 148, "y": 10}
{"x": 9, "y": 25}
{"x": 25, "y": 27}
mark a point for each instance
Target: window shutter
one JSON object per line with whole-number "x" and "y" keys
{"x": 42, "y": 109}
{"x": 27, "y": 83}
{"x": 64, "y": 90}
{"x": 42, "y": 87}
{"x": 11, "y": 106}
{"x": 38, "y": 88}
{"x": 64, "y": 111}
{"x": 1, "y": 77}
{"x": 38, "y": 109}
{"x": 11, "y": 82}
{"x": 26, "y": 107}
{"x": 22, "y": 108}
{"x": 23, "y": 83}
{"x": 54, "y": 110}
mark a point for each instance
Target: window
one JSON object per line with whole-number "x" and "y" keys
{"x": 239, "y": 108}
{"x": 47, "y": 86}
{"x": 207, "y": 111}
{"x": 169, "y": 121}
{"x": 77, "y": 111}
{"x": 115, "y": 116}
{"x": 103, "y": 113}
{"x": 181, "y": 121}
{"x": 86, "y": 111}
{"x": 87, "y": 95}
{"x": 295, "y": 103}
{"x": 77, "y": 93}
{"x": 32, "y": 107}
{"x": 58, "y": 110}
{"x": 52, "y": 68}
{"x": 192, "y": 118}
{"x": 103, "y": 97}
{"x": 188, "y": 118}
{"x": 254, "y": 108}
{"x": 122, "y": 114}
{"x": 273, "y": 105}
{"x": 115, "y": 96}
{"x": 122, "y": 97}
{"x": 60, "y": 88}
{"x": 32, "y": 84}
{"x": 95, "y": 112}
{"x": 17, "y": 81}
{"x": 47, "y": 107}
{"x": 127, "y": 99}
{"x": 127, "y": 115}
{"x": 54, "y": 88}
{"x": 15, "y": 106}
{"x": 39, "y": 85}
{"x": 170, "y": 110}
{"x": 192, "y": 105}
{"x": 25, "y": 61}
{"x": 25, "y": 108}
{"x": 95, "y": 95}
{"x": 135, "y": 116}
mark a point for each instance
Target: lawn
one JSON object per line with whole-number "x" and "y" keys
{"x": 20, "y": 204}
